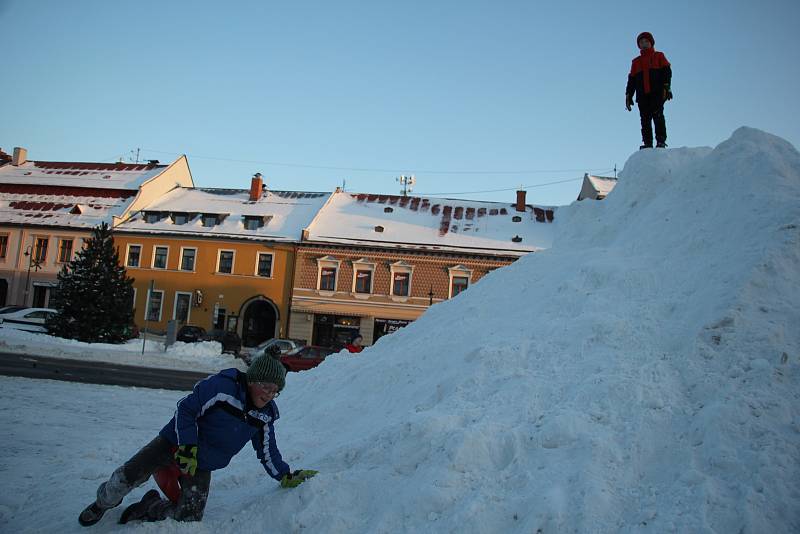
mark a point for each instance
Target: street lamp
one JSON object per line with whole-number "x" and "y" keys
{"x": 34, "y": 262}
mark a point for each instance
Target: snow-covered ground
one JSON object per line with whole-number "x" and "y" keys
{"x": 643, "y": 375}
{"x": 205, "y": 356}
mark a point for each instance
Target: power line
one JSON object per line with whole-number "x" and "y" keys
{"x": 368, "y": 169}
{"x": 506, "y": 189}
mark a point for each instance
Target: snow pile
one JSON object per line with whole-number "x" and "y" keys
{"x": 643, "y": 375}
{"x": 204, "y": 356}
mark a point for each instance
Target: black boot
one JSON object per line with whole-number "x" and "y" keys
{"x": 138, "y": 510}
{"x": 661, "y": 144}
{"x": 646, "y": 146}
{"x": 91, "y": 515}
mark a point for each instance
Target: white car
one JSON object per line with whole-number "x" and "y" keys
{"x": 284, "y": 345}
{"x": 29, "y": 319}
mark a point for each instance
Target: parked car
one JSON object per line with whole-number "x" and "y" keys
{"x": 9, "y": 309}
{"x": 29, "y": 319}
{"x": 304, "y": 358}
{"x": 190, "y": 333}
{"x": 230, "y": 341}
{"x": 283, "y": 346}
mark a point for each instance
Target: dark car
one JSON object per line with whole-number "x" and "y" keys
{"x": 305, "y": 357}
{"x": 190, "y": 334}
{"x": 230, "y": 341}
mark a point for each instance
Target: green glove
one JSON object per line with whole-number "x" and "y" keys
{"x": 186, "y": 456}
{"x": 295, "y": 478}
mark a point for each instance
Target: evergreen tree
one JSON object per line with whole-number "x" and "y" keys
{"x": 94, "y": 294}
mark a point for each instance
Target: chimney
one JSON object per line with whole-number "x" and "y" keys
{"x": 256, "y": 187}
{"x": 20, "y": 156}
{"x": 520, "y": 201}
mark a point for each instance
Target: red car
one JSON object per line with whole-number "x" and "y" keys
{"x": 304, "y": 357}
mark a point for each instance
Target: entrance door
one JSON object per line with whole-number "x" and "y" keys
{"x": 259, "y": 323}
{"x": 3, "y": 291}
{"x": 40, "y": 294}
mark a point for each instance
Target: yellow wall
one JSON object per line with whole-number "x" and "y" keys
{"x": 229, "y": 291}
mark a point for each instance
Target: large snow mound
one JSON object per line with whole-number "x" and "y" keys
{"x": 642, "y": 375}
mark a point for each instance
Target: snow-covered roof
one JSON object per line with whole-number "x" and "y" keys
{"x": 75, "y": 194}
{"x": 284, "y": 214}
{"x": 596, "y": 187}
{"x": 129, "y": 176}
{"x": 76, "y": 209}
{"x": 432, "y": 224}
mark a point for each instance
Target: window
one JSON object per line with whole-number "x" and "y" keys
{"x": 3, "y": 246}
{"x": 209, "y": 220}
{"x": 225, "y": 263}
{"x": 253, "y": 223}
{"x": 180, "y": 218}
{"x": 160, "y": 257}
{"x": 362, "y": 276}
{"x": 327, "y": 279}
{"x": 363, "y": 281}
{"x": 183, "y": 304}
{"x": 459, "y": 284}
{"x": 459, "y": 279}
{"x": 327, "y": 273}
{"x": 40, "y": 253}
{"x": 187, "y": 259}
{"x": 401, "y": 278}
{"x": 65, "y": 250}
{"x": 134, "y": 253}
{"x": 154, "y": 301}
{"x": 152, "y": 217}
{"x": 264, "y": 265}
{"x": 400, "y": 284}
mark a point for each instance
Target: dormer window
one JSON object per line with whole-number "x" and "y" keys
{"x": 210, "y": 220}
{"x": 180, "y": 218}
{"x": 252, "y": 222}
{"x": 152, "y": 217}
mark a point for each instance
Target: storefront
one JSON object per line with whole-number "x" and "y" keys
{"x": 387, "y": 326}
{"x": 334, "y": 331}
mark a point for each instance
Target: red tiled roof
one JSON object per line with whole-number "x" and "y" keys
{"x": 84, "y": 166}
{"x": 32, "y": 189}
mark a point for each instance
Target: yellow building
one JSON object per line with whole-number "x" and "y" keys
{"x": 217, "y": 258}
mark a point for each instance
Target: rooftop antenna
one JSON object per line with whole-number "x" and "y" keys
{"x": 407, "y": 183}
{"x": 615, "y": 171}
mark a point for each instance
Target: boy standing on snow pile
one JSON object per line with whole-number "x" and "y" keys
{"x": 650, "y": 79}
{"x": 210, "y": 426}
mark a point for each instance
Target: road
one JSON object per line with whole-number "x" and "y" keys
{"x": 92, "y": 372}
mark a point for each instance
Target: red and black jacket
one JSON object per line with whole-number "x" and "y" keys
{"x": 650, "y": 74}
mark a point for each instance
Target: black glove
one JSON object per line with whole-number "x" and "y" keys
{"x": 667, "y": 94}
{"x": 186, "y": 457}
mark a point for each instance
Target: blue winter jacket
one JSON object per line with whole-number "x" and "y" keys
{"x": 216, "y": 417}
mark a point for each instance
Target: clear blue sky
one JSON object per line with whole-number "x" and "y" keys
{"x": 469, "y": 96}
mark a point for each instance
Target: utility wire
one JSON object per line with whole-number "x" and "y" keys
{"x": 368, "y": 169}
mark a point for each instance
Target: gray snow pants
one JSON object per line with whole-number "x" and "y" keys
{"x": 136, "y": 471}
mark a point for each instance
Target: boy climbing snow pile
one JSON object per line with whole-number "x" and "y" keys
{"x": 210, "y": 426}
{"x": 649, "y": 80}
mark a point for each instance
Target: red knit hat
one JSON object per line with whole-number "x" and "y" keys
{"x": 646, "y": 35}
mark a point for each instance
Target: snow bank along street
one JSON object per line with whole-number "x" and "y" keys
{"x": 643, "y": 375}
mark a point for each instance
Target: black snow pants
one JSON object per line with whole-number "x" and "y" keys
{"x": 651, "y": 110}
{"x": 136, "y": 471}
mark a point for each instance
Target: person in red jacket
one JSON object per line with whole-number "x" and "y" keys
{"x": 649, "y": 80}
{"x": 355, "y": 344}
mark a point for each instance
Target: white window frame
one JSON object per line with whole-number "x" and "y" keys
{"x": 400, "y": 267}
{"x": 175, "y": 305}
{"x": 271, "y": 264}
{"x": 363, "y": 264}
{"x": 330, "y": 262}
{"x": 460, "y": 271}
{"x": 153, "y": 259}
{"x": 128, "y": 253}
{"x": 180, "y": 260}
{"x": 160, "y": 307}
{"x": 219, "y": 257}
